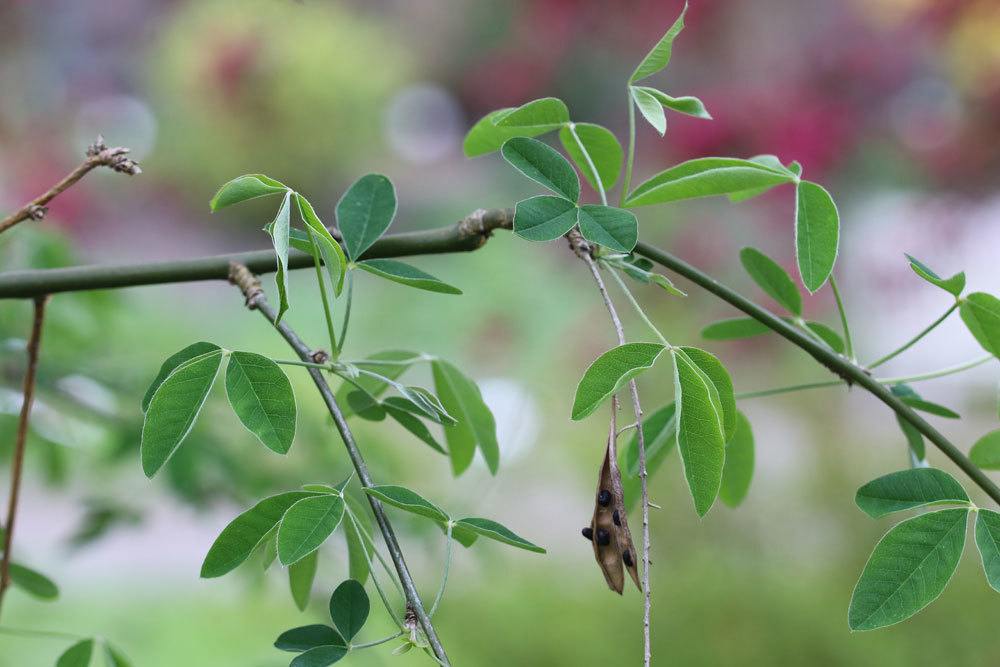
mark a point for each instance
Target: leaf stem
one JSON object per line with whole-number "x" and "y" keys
{"x": 371, "y": 567}
{"x": 42, "y": 634}
{"x": 334, "y": 348}
{"x": 347, "y": 312}
{"x": 848, "y": 343}
{"x": 630, "y": 161}
{"x": 377, "y": 642}
{"x": 913, "y": 341}
{"x": 590, "y": 163}
{"x": 444, "y": 577}
{"x": 636, "y": 306}
{"x": 306, "y": 364}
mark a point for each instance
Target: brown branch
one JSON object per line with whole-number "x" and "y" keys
{"x": 98, "y": 155}
{"x": 17, "y": 464}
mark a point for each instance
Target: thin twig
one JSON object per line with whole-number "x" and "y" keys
{"x": 17, "y": 465}
{"x": 913, "y": 341}
{"x": 98, "y": 155}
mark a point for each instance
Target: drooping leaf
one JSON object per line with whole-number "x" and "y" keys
{"x": 77, "y": 655}
{"x": 330, "y": 251}
{"x": 771, "y": 162}
{"x": 321, "y": 656}
{"x": 389, "y": 364}
{"x": 364, "y": 212}
{"x": 710, "y": 365}
{"x": 404, "y": 274}
{"x": 909, "y": 569}
{"x": 475, "y": 426}
{"x": 498, "y": 532}
{"x": 422, "y": 402}
{"x": 659, "y": 56}
{"x": 651, "y": 103}
{"x": 486, "y": 137}
{"x": 659, "y": 431}
{"x": 174, "y": 408}
{"x": 981, "y": 314}
{"x": 358, "y": 551}
{"x": 701, "y": 431}
{"x": 986, "y": 452}
{"x": 738, "y": 469}
{"x": 349, "y": 608}
{"x": 611, "y": 227}
{"x": 650, "y": 108}
{"x": 262, "y": 398}
{"x": 609, "y": 372}
{"x": 279, "y": 230}
{"x": 954, "y": 285}
{"x": 306, "y": 637}
{"x": 705, "y": 177}
{"x": 412, "y": 424}
{"x": 988, "y": 542}
{"x": 930, "y": 407}
{"x": 407, "y": 500}
{"x": 542, "y": 164}
{"x": 603, "y": 149}
{"x": 242, "y": 188}
{"x": 773, "y": 279}
{"x": 300, "y": 579}
{"x": 306, "y": 525}
{"x": 817, "y": 234}
{"x": 544, "y": 218}
{"x": 547, "y": 112}
{"x": 33, "y": 582}
{"x": 734, "y": 329}
{"x": 173, "y": 361}
{"x": 914, "y": 438}
{"x": 246, "y": 532}
{"x": 907, "y": 489}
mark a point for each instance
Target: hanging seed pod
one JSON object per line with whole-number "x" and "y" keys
{"x": 609, "y": 531}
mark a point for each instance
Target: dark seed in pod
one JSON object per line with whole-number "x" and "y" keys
{"x": 604, "y": 498}
{"x": 603, "y": 537}
{"x": 616, "y": 518}
{"x": 588, "y": 532}
{"x": 627, "y": 559}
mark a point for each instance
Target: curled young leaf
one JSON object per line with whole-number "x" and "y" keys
{"x": 659, "y": 56}
{"x": 650, "y": 108}
{"x": 954, "y": 285}
{"x": 242, "y": 188}
{"x": 279, "y": 230}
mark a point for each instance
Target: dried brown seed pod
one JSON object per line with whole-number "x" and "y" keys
{"x": 614, "y": 552}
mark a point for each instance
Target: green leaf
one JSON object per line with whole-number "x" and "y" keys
{"x": 407, "y": 500}
{"x": 817, "y": 234}
{"x": 463, "y": 536}
{"x": 603, "y": 148}
{"x": 115, "y": 657}
{"x": 611, "y": 227}
{"x": 651, "y": 103}
{"x": 330, "y": 251}
{"x": 659, "y": 432}
{"x": 300, "y": 579}
{"x": 358, "y": 550}
{"x": 173, "y": 361}
{"x": 544, "y": 218}
{"x": 321, "y": 656}
{"x": 981, "y": 314}
{"x": 914, "y": 438}
{"x": 77, "y": 655}
{"x": 650, "y": 108}
{"x": 829, "y": 336}
{"x": 609, "y": 372}
{"x": 404, "y": 274}
{"x": 306, "y": 525}
{"x": 174, "y": 408}
{"x": 738, "y": 469}
{"x": 548, "y": 113}
{"x": 954, "y": 285}
{"x": 773, "y": 279}
{"x": 33, "y": 582}
{"x": 734, "y": 329}
{"x": 705, "y": 177}
{"x": 485, "y": 137}
{"x": 988, "y": 542}
{"x": 638, "y": 269}
{"x": 475, "y": 425}
{"x": 542, "y": 164}
{"x": 279, "y": 231}
{"x": 710, "y": 365}
{"x": 364, "y": 212}
{"x": 659, "y": 56}
{"x": 771, "y": 162}
{"x": 931, "y": 408}
{"x": 908, "y": 489}
{"x": 909, "y": 569}
{"x": 373, "y": 387}
{"x": 701, "y": 431}
{"x": 246, "y": 532}
{"x": 262, "y": 397}
{"x": 306, "y": 637}
{"x": 986, "y": 452}
{"x": 349, "y": 608}
{"x": 242, "y": 188}
{"x": 498, "y": 532}
{"x": 412, "y": 424}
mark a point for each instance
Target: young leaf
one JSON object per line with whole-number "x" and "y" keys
{"x": 650, "y": 108}
{"x": 954, "y": 285}
{"x": 542, "y": 164}
{"x": 405, "y": 274}
{"x": 349, "y": 608}
{"x": 909, "y": 569}
{"x": 391, "y": 367}
{"x": 173, "y": 361}
{"x": 300, "y": 579}
{"x": 710, "y": 365}
{"x": 474, "y": 427}
{"x": 242, "y": 188}
{"x": 908, "y": 489}
{"x": 364, "y": 212}
{"x": 609, "y": 372}
{"x": 981, "y": 314}
{"x": 306, "y": 525}
{"x": 77, "y": 655}
{"x": 738, "y": 469}
{"x": 610, "y": 227}
{"x": 659, "y": 431}
{"x": 174, "y": 407}
{"x": 986, "y": 452}
{"x": 33, "y": 582}
{"x": 773, "y": 279}
{"x": 690, "y": 106}
{"x": 279, "y": 230}
{"x": 988, "y": 542}
{"x": 705, "y": 177}
{"x": 659, "y": 55}
{"x": 817, "y": 234}
{"x": 246, "y": 532}
{"x": 701, "y": 431}
{"x": 330, "y": 251}
{"x": 411, "y": 423}
{"x": 734, "y": 329}
{"x": 321, "y": 656}
{"x": 485, "y": 137}
{"x": 498, "y": 532}
{"x": 262, "y": 397}
{"x": 548, "y": 113}
{"x": 544, "y": 218}
{"x": 306, "y": 637}
{"x": 601, "y": 145}
{"x": 407, "y": 500}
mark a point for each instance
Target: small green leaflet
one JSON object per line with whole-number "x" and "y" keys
{"x": 349, "y": 608}
{"x": 392, "y": 367}
{"x": 321, "y": 656}
{"x": 544, "y": 218}
{"x": 242, "y": 188}
{"x": 300, "y": 579}
{"x": 609, "y": 372}
{"x": 115, "y": 657}
{"x": 485, "y": 137}
{"x": 174, "y": 408}
{"x": 306, "y": 525}
{"x": 279, "y": 230}
{"x": 330, "y": 251}
{"x": 690, "y": 106}
{"x": 172, "y": 362}
{"x": 611, "y": 227}
{"x": 981, "y": 314}
{"x": 918, "y": 403}
{"x": 659, "y": 431}
{"x": 914, "y": 438}
{"x": 986, "y": 452}
{"x": 909, "y": 568}
{"x": 773, "y": 279}
{"x": 988, "y": 542}
{"x": 817, "y": 234}
{"x": 358, "y": 551}
{"x": 498, "y": 532}
{"x": 829, "y": 336}
{"x": 405, "y": 274}
{"x": 33, "y": 582}
{"x": 734, "y": 329}
{"x": 659, "y": 56}
{"x": 77, "y": 655}
{"x": 710, "y": 365}
{"x": 908, "y": 489}
{"x": 262, "y": 398}
{"x": 738, "y": 469}
{"x": 542, "y": 164}
{"x": 701, "y": 431}
{"x": 411, "y": 423}
{"x": 475, "y": 426}
{"x": 954, "y": 285}
{"x": 706, "y": 177}
{"x": 308, "y": 636}
{"x": 548, "y": 113}
{"x": 407, "y": 500}
{"x": 603, "y": 149}
{"x": 650, "y": 108}
{"x": 364, "y": 212}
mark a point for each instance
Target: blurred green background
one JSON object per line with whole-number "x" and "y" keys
{"x": 893, "y": 104}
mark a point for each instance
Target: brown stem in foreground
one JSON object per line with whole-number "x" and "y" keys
{"x": 98, "y": 155}
{"x": 17, "y": 464}
{"x": 583, "y": 250}
{"x": 255, "y": 300}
